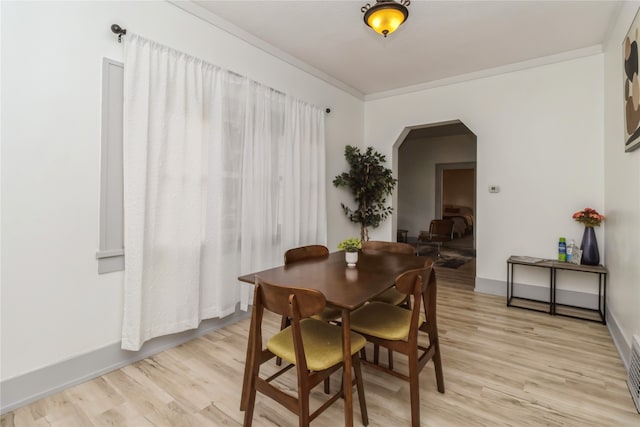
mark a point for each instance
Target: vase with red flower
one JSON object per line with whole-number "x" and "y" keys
{"x": 590, "y": 218}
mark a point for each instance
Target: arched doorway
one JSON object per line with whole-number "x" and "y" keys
{"x": 436, "y": 169}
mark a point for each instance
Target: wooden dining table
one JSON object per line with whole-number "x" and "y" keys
{"x": 346, "y": 288}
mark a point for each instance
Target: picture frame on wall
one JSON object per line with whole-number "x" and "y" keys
{"x": 631, "y": 98}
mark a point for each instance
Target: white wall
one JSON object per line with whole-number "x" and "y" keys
{"x": 622, "y": 191}
{"x": 416, "y": 173}
{"x": 54, "y": 304}
{"x": 539, "y": 137}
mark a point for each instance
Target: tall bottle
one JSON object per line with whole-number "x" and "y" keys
{"x": 570, "y": 250}
{"x": 562, "y": 250}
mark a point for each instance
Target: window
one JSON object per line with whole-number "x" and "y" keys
{"x": 110, "y": 253}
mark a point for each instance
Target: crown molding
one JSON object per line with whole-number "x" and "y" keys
{"x": 213, "y": 19}
{"x": 489, "y": 72}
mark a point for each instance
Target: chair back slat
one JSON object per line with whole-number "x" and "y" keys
{"x": 305, "y": 252}
{"x": 419, "y": 283}
{"x": 277, "y": 299}
{"x": 389, "y": 247}
{"x": 405, "y": 282}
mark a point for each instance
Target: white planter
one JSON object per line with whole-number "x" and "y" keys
{"x": 351, "y": 258}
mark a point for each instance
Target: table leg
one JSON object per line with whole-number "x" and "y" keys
{"x": 603, "y": 315}
{"x": 346, "y": 379}
{"x": 552, "y": 292}
{"x": 509, "y": 282}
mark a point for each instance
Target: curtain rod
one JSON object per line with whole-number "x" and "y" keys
{"x": 117, "y": 29}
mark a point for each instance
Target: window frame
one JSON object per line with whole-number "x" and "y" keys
{"x": 110, "y": 253}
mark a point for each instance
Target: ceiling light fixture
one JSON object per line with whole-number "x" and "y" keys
{"x": 386, "y": 15}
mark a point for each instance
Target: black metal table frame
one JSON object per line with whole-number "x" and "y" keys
{"x": 554, "y": 266}
{"x": 602, "y": 293}
{"x": 511, "y": 296}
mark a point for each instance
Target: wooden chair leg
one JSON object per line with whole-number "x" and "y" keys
{"x": 414, "y": 388}
{"x": 303, "y": 407}
{"x": 251, "y": 392}
{"x": 376, "y": 354}
{"x": 360, "y": 389}
{"x": 248, "y": 380}
{"x": 391, "y": 359}
{"x": 437, "y": 363}
{"x": 363, "y": 354}
{"x": 248, "y": 413}
{"x": 327, "y": 386}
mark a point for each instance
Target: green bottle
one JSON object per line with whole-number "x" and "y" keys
{"x": 562, "y": 250}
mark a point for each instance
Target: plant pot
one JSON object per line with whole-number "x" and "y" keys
{"x": 351, "y": 258}
{"x": 589, "y": 247}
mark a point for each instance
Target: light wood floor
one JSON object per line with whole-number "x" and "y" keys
{"x": 463, "y": 275}
{"x": 502, "y": 367}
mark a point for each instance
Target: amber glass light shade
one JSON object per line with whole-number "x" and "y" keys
{"x": 386, "y": 16}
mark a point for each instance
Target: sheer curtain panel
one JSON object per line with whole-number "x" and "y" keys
{"x": 221, "y": 175}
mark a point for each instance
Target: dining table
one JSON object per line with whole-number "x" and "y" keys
{"x": 346, "y": 288}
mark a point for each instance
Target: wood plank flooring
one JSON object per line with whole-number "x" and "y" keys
{"x": 502, "y": 367}
{"x": 463, "y": 275}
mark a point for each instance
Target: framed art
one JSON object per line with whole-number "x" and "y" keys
{"x": 631, "y": 96}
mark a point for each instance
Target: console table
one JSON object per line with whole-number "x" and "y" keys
{"x": 553, "y": 266}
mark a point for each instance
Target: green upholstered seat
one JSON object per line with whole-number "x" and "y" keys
{"x": 391, "y": 296}
{"x": 382, "y": 320}
{"x": 322, "y": 344}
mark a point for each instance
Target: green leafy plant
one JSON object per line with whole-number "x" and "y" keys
{"x": 352, "y": 244}
{"x": 370, "y": 183}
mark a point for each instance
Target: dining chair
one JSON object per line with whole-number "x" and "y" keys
{"x": 304, "y": 253}
{"x": 301, "y": 254}
{"x": 440, "y": 231}
{"x": 312, "y": 346}
{"x": 397, "y": 329}
{"x": 390, "y": 247}
{"x": 391, "y": 295}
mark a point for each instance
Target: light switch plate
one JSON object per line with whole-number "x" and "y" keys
{"x": 494, "y": 189}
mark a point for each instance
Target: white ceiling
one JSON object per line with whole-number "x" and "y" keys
{"x": 440, "y": 39}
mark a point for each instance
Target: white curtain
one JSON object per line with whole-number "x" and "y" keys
{"x": 222, "y": 175}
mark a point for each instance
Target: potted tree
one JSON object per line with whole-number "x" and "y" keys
{"x": 370, "y": 183}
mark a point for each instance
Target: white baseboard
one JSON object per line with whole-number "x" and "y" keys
{"x": 24, "y": 389}
{"x": 491, "y": 287}
{"x": 540, "y": 293}
{"x": 623, "y": 347}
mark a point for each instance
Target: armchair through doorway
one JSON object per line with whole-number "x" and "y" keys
{"x": 440, "y": 231}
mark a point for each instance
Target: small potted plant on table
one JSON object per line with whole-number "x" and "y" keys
{"x": 350, "y": 246}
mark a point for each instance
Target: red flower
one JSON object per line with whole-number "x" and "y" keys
{"x": 589, "y": 217}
